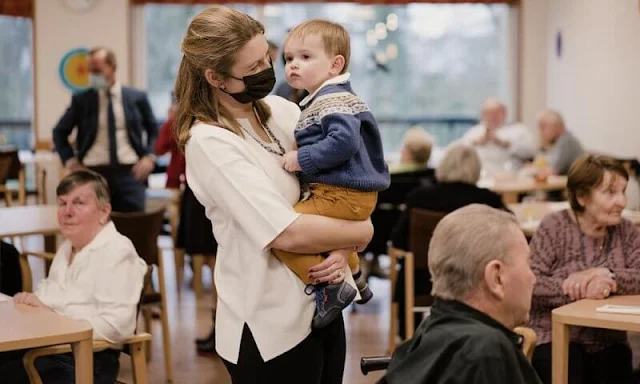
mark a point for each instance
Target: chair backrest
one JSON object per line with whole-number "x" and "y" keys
{"x": 529, "y": 340}
{"x": 403, "y": 183}
{"x": 9, "y": 165}
{"x": 5, "y": 165}
{"x": 422, "y": 224}
{"x": 143, "y": 229}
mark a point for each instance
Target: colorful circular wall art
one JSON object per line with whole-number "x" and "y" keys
{"x": 73, "y": 70}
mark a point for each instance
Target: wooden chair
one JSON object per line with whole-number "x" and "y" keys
{"x": 422, "y": 225}
{"x": 391, "y": 204}
{"x": 143, "y": 229}
{"x": 5, "y": 163}
{"x": 395, "y": 254}
{"x": 133, "y": 346}
{"x": 379, "y": 363}
{"x": 10, "y": 168}
{"x": 529, "y": 340}
{"x": 41, "y": 185}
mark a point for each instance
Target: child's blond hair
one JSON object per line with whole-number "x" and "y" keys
{"x": 334, "y": 36}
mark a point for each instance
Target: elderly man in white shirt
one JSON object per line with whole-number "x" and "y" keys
{"x": 501, "y": 147}
{"x": 95, "y": 276}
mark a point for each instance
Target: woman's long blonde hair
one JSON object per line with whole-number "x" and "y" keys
{"x": 211, "y": 42}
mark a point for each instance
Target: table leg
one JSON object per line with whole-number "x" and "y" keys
{"x": 83, "y": 357}
{"x": 22, "y": 190}
{"x": 559, "y": 352}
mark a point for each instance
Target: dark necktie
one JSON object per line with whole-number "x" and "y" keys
{"x": 111, "y": 124}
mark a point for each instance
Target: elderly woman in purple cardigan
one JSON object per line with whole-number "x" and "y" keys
{"x": 586, "y": 252}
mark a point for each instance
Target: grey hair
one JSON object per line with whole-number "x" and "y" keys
{"x": 463, "y": 243}
{"x": 460, "y": 163}
{"x": 554, "y": 117}
{"x": 82, "y": 177}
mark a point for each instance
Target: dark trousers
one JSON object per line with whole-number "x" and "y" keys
{"x": 58, "y": 369}
{"x": 318, "y": 359}
{"x": 612, "y": 365}
{"x": 127, "y": 193}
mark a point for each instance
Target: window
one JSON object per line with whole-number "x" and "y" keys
{"x": 417, "y": 64}
{"x": 165, "y": 26}
{"x": 16, "y": 100}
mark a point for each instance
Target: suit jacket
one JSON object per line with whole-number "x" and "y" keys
{"x": 83, "y": 113}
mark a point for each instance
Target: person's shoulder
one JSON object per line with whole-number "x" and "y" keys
{"x": 475, "y": 130}
{"x": 134, "y": 92}
{"x": 338, "y": 99}
{"x": 480, "y": 342}
{"x": 555, "y": 220}
{"x": 487, "y": 195}
{"x": 84, "y": 95}
{"x": 627, "y": 226}
{"x": 426, "y": 196}
{"x": 206, "y": 134}
{"x": 280, "y": 105}
{"x": 119, "y": 247}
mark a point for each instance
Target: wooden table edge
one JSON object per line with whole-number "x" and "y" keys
{"x": 50, "y": 232}
{"x": 67, "y": 338}
{"x": 624, "y": 323}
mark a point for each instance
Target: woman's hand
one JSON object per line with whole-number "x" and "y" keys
{"x": 575, "y": 285}
{"x": 29, "y": 299}
{"x": 332, "y": 269}
{"x": 600, "y": 287}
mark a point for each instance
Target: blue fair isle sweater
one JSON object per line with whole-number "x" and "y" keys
{"x": 338, "y": 140}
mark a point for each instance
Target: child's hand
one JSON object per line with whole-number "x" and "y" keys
{"x": 290, "y": 162}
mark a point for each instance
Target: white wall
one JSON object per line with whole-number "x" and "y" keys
{"x": 532, "y": 93}
{"x": 59, "y": 29}
{"x": 595, "y": 84}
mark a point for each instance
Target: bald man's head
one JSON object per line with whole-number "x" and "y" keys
{"x": 551, "y": 126}
{"x": 493, "y": 113}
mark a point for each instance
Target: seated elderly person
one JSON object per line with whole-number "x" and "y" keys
{"x": 457, "y": 175}
{"x": 502, "y": 147}
{"x": 586, "y": 252}
{"x": 559, "y": 147}
{"x": 415, "y": 152}
{"x": 482, "y": 282}
{"x": 95, "y": 276}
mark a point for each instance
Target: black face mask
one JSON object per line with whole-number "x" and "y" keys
{"x": 256, "y": 86}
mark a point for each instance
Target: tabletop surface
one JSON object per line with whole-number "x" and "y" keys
{"x": 24, "y": 327}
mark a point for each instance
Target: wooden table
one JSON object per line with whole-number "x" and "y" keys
{"x": 583, "y": 313}
{"x": 25, "y": 327}
{"x": 511, "y": 187}
{"x": 530, "y": 214}
{"x": 31, "y": 220}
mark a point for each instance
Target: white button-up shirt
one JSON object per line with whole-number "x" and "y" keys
{"x": 102, "y": 285}
{"x": 98, "y": 154}
{"x": 495, "y": 158}
{"x": 248, "y": 197}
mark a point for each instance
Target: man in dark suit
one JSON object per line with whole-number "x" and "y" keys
{"x": 115, "y": 133}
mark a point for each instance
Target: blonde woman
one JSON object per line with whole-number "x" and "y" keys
{"x": 234, "y": 137}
